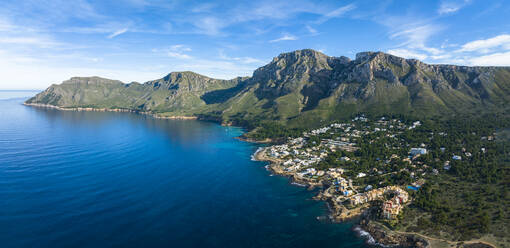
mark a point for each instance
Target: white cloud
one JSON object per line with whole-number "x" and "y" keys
{"x": 243, "y": 60}
{"x": 408, "y": 54}
{"x": 485, "y": 46}
{"x": 175, "y": 51}
{"x": 206, "y": 7}
{"x": 310, "y": 29}
{"x": 178, "y": 55}
{"x": 180, "y": 47}
{"x": 495, "y": 52}
{"x": 415, "y": 34}
{"x": 28, "y": 40}
{"x": 336, "y": 13}
{"x": 24, "y": 72}
{"x": 270, "y": 12}
{"x": 6, "y": 25}
{"x": 495, "y": 59}
{"x": 117, "y": 33}
{"x": 448, "y": 7}
{"x": 284, "y": 38}
{"x": 210, "y": 25}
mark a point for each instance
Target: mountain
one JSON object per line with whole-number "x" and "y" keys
{"x": 301, "y": 88}
{"x": 175, "y": 94}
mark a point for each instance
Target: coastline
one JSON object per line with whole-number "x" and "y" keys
{"x": 156, "y": 116}
{"x": 373, "y": 232}
{"x": 250, "y": 140}
{"x": 338, "y": 212}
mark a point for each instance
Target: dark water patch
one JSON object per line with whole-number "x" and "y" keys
{"x": 95, "y": 179}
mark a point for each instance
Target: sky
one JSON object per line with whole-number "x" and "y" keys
{"x": 45, "y": 42}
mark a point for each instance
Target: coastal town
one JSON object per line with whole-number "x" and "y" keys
{"x": 363, "y": 163}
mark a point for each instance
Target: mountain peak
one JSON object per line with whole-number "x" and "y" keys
{"x": 299, "y": 61}
{"x": 92, "y": 79}
{"x": 369, "y": 55}
{"x": 173, "y": 76}
{"x": 303, "y": 53}
{"x": 300, "y": 81}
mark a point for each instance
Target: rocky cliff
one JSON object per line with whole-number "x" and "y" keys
{"x": 300, "y": 88}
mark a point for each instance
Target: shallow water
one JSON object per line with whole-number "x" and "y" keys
{"x": 96, "y": 179}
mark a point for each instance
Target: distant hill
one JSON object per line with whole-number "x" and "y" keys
{"x": 301, "y": 88}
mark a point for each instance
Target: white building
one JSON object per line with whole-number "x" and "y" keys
{"x": 416, "y": 151}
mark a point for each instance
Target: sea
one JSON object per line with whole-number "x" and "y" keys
{"x": 105, "y": 179}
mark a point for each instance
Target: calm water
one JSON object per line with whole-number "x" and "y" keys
{"x": 86, "y": 179}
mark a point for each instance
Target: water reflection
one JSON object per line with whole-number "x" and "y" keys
{"x": 184, "y": 132}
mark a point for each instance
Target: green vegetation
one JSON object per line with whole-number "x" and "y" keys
{"x": 301, "y": 89}
{"x": 464, "y": 110}
{"x": 463, "y": 169}
{"x": 471, "y": 199}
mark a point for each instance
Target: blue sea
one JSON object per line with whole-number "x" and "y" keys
{"x": 96, "y": 179}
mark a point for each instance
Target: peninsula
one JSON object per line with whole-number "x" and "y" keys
{"x": 417, "y": 153}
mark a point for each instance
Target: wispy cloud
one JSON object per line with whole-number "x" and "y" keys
{"x": 178, "y": 51}
{"x": 28, "y": 40}
{"x": 210, "y": 25}
{"x": 284, "y": 38}
{"x": 448, "y": 7}
{"x": 117, "y": 33}
{"x": 493, "y": 51}
{"x": 486, "y": 45}
{"x": 335, "y": 13}
{"x": 415, "y": 35}
{"x": 266, "y": 12}
{"x": 203, "y": 8}
{"x": 406, "y": 53}
{"x": 312, "y": 30}
{"x": 495, "y": 59}
{"x": 243, "y": 60}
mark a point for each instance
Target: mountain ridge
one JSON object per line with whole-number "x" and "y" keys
{"x": 300, "y": 88}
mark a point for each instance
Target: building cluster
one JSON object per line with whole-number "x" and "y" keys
{"x": 302, "y": 157}
{"x": 392, "y": 207}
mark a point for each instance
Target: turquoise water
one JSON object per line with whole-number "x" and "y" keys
{"x": 92, "y": 179}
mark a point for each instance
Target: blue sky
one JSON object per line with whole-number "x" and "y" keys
{"x": 44, "y": 42}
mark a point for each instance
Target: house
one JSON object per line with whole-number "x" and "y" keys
{"x": 456, "y": 157}
{"x": 446, "y": 165}
{"x": 288, "y": 162}
{"x": 361, "y": 174}
{"x": 416, "y": 151}
{"x": 345, "y": 159}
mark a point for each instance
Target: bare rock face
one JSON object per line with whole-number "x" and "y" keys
{"x": 388, "y": 238}
{"x": 299, "y": 85}
{"x": 289, "y": 72}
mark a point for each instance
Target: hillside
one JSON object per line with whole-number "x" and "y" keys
{"x": 301, "y": 88}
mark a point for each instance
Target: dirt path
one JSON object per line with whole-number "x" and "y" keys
{"x": 454, "y": 243}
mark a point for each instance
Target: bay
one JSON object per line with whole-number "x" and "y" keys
{"x": 104, "y": 179}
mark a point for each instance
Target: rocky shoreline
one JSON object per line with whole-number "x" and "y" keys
{"x": 264, "y": 141}
{"x": 377, "y": 234}
{"x": 156, "y": 116}
{"x": 374, "y": 232}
